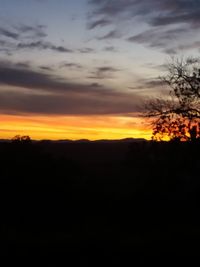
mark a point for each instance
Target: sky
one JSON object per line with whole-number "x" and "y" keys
{"x": 83, "y": 69}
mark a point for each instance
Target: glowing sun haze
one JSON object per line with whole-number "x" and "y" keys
{"x": 82, "y": 69}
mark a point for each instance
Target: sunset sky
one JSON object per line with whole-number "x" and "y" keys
{"x": 83, "y": 68}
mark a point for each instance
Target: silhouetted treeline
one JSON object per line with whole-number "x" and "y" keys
{"x": 100, "y": 204}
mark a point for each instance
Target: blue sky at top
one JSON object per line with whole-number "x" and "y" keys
{"x": 102, "y": 57}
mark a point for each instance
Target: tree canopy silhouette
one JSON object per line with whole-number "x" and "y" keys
{"x": 177, "y": 116}
{"x": 21, "y": 139}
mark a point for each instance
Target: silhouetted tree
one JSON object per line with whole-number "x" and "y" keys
{"x": 21, "y": 139}
{"x": 177, "y": 116}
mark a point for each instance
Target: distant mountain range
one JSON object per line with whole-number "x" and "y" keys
{"x": 125, "y": 140}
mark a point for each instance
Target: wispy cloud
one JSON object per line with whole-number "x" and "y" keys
{"x": 153, "y": 85}
{"x": 104, "y": 72}
{"x": 9, "y": 33}
{"x": 164, "y": 39}
{"x": 86, "y": 50}
{"x": 154, "y": 12}
{"x": 27, "y": 37}
{"x": 100, "y": 23}
{"x": 110, "y": 35}
{"x": 47, "y": 68}
{"x": 31, "y": 31}
{"x": 70, "y": 65}
{"x": 165, "y": 20}
{"x": 110, "y": 49}
{"x": 42, "y": 45}
{"x": 22, "y": 31}
{"x": 22, "y": 37}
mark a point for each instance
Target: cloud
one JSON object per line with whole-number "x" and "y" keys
{"x": 23, "y": 37}
{"x": 151, "y": 86}
{"x": 157, "y": 35}
{"x": 103, "y": 72}
{"x": 70, "y": 65}
{"x": 107, "y": 69}
{"x": 95, "y": 85}
{"x": 110, "y": 8}
{"x": 13, "y": 75}
{"x": 154, "y": 12}
{"x": 164, "y": 19}
{"x": 9, "y": 33}
{"x": 110, "y": 49}
{"x": 27, "y": 37}
{"x": 22, "y": 31}
{"x": 31, "y": 31}
{"x": 68, "y": 104}
{"x": 154, "y": 83}
{"x": 110, "y": 35}
{"x": 29, "y": 91}
{"x": 159, "y": 38}
{"x": 86, "y": 50}
{"x": 100, "y": 22}
{"x": 48, "y": 68}
{"x": 41, "y": 45}
{"x": 24, "y": 64}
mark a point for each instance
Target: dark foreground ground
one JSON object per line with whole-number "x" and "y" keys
{"x": 100, "y": 204}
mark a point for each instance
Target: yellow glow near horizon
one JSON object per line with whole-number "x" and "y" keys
{"x": 73, "y": 127}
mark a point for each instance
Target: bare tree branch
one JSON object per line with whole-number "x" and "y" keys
{"x": 178, "y": 118}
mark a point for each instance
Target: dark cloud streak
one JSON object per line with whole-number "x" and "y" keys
{"x": 67, "y": 105}
{"x": 70, "y": 65}
{"x": 45, "y": 94}
{"x": 100, "y": 23}
{"x": 104, "y": 72}
{"x": 27, "y": 37}
{"x": 154, "y": 12}
{"x": 110, "y": 35}
{"x": 41, "y": 45}
{"x": 8, "y": 33}
{"x": 31, "y": 31}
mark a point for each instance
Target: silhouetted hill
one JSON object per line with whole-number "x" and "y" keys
{"x": 128, "y": 140}
{"x": 115, "y": 203}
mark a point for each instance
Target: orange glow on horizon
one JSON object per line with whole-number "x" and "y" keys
{"x": 73, "y": 127}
